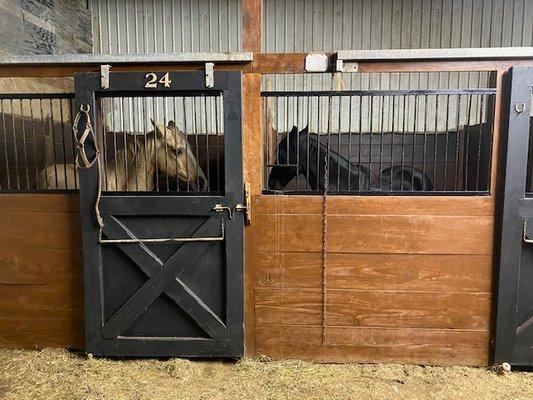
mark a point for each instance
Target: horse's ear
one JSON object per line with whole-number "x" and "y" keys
{"x": 159, "y": 128}
{"x": 171, "y": 124}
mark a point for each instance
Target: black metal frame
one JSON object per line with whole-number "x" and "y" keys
{"x": 104, "y": 339}
{"x": 515, "y": 256}
{"x": 480, "y": 189}
{"x": 67, "y": 131}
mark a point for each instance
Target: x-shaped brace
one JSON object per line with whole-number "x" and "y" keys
{"x": 163, "y": 278}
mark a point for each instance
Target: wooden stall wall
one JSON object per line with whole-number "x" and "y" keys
{"x": 41, "y": 287}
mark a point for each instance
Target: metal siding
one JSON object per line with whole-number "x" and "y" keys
{"x": 322, "y": 25}
{"x": 163, "y": 26}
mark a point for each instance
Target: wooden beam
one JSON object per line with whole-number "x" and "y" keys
{"x": 252, "y": 25}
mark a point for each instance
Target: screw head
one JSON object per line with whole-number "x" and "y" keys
{"x": 506, "y": 367}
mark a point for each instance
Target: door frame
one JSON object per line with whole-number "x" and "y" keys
{"x": 88, "y": 90}
{"x": 513, "y": 207}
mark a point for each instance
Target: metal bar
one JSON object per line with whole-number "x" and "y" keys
{"x": 14, "y": 133}
{"x": 480, "y": 121}
{"x": 154, "y": 115}
{"x": 447, "y": 141}
{"x": 207, "y": 129}
{"x": 43, "y": 96}
{"x": 35, "y": 145}
{"x": 63, "y": 143}
{"x": 6, "y": 153}
{"x": 25, "y": 151}
{"x": 457, "y": 142}
{"x": 378, "y": 92}
{"x": 125, "y": 140}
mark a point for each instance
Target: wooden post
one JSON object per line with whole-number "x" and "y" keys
{"x": 252, "y": 25}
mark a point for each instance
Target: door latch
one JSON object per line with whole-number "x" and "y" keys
{"x": 220, "y": 208}
{"x": 246, "y": 207}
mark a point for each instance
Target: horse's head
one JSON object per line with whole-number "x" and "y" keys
{"x": 281, "y": 174}
{"x": 175, "y": 157}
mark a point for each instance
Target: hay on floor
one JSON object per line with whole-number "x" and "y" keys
{"x": 60, "y": 374}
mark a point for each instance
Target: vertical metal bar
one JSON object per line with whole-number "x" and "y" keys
{"x": 328, "y": 157}
{"x": 297, "y": 143}
{"x": 220, "y": 189}
{"x": 156, "y": 161}
{"x": 43, "y": 136}
{"x": 307, "y": 145}
{"x": 195, "y": 130}
{"x": 424, "y": 158}
{"x": 404, "y": 121}
{"x": 392, "y": 139}
{"x": 350, "y": 143}
{"x": 359, "y": 161}
{"x": 6, "y": 153}
{"x": 186, "y": 143}
{"x": 105, "y": 150}
{"x": 112, "y": 127}
{"x": 63, "y": 142}
{"x": 467, "y": 142}
{"x": 370, "y": 128}
{"x": 207, "y": 152}
{"x": 34, "y": 140}
{"x": 176, "y": 155}
{"x": 71, "y": 113}
{"x": 165, "y": 141}
{"x": 457, "y": 143}
{"x": 133, "y": 126}
{"x": 382, "y": 123}
{"x": 319, "y": 137}
{"x": 53, "y": 139}
{"x": 480, "y": 121}
{"x": 447, "y": 142}
{"x": 435, "y": 142}
{"x": 25, "y": 152}
{"x": 143, "y": 101}
{"x": 414, "y": 142}
{"x": 125, "y": 140}
{"x": 15, "y": 144}
{"x": 339, "y": 144}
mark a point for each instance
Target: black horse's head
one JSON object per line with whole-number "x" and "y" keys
{"x": 286, "y": 164}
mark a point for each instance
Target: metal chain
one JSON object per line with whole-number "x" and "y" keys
{"x": 82, "y": 161}
{"x": 324, "y": 247}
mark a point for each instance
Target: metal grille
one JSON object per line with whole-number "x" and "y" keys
{"x": 163, "y": 144}
{"x": 379, "y": 142}
{"x": 37, "y": 147}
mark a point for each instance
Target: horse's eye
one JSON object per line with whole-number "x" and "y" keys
{"x": 179, "y": 151}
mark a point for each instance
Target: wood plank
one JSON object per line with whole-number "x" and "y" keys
{"x": 296, "y": 306}
{"x": 41, "y": 301}
{"x": 381, "y": 345}
{"x": 56, "y": 230}
{"x": 252, "y": 25}
{"x": 376, "y": 234}
{"x": 39, "y": 202}
{"x": 406, "y": 272}
{"x": 402, "y": 272}
{"x": 407, "y": 309}
{"x": 376, "y": 205}
{"x": 19, "y": 265}
{"x": 30, "y": 333}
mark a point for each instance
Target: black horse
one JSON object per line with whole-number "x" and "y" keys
{"x": 305, "y": 153}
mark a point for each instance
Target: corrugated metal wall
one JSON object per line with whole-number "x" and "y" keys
{"x": 324, "y": 25}
{"x": 165, "y": 26}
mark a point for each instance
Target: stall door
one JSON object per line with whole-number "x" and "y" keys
{"x": 514, "y": 328}
{"x": 160, "y": 185}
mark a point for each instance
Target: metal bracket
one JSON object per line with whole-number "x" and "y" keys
{"x": 343, "y": 66}
{"x": 104, "y": 76}
{"x": 526, "y": 239}
{"x": 520, "y": 107}
{"x": 209, "y": 75}
{"x": 247, "y": 206}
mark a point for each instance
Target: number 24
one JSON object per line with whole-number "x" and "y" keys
{"x": 153, "y": 82}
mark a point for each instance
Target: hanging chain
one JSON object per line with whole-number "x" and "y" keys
{"x": 82, "y": 161}
{"x": 324, "y": 247}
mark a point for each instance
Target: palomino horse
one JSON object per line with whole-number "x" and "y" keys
{"x": 164, "y": 148}
{"x": 305, "y": 153}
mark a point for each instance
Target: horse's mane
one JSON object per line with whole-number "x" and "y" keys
{"x": 139, "y": 146}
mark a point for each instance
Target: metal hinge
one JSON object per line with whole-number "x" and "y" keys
{"x": 209, "y": 75}
{"x": 104, "y": 76}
